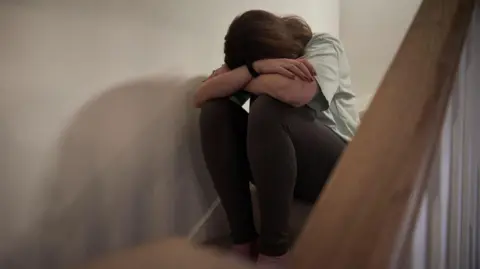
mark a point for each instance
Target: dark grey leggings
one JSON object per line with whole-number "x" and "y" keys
{"x": 283, "y": 150}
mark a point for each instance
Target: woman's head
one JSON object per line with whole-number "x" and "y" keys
{"x": 258, "y": 34}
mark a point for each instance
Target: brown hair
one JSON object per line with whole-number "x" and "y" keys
{"x": 258, "y": 34}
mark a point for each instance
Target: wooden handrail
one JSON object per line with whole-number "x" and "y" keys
{"x": 373, "y": 195}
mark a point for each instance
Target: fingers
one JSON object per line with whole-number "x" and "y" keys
{"x": 301, "y": 68}
{"x": 299, "y": 72}
{"x": 308, "y": 65}
{"x": 290, "y": 68}
{"x": 281, "y": 70}
{"x": 305, "y": 70}
{"x": 211, "y": 76}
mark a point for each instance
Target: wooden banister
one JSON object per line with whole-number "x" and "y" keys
{"x": 369, "y": 205}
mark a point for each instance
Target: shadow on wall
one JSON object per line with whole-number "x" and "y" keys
{"x": 129, "y": 171}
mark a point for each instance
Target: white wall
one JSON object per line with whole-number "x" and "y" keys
{"x": 99, "y": 143}
{"x": 371, "y": 31}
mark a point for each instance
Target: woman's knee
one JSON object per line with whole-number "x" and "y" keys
{"x": 214, "y": 111}
{"x": 266, "y": 109}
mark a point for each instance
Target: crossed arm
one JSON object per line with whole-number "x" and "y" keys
{"x": 289, "y": 86}
{"x": 295, "y": 92}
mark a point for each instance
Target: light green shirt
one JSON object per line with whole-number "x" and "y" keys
{"x": 334, "y": 103}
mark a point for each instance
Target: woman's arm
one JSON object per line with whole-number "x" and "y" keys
{"x": 295, "y": 92}
{"x": 222, "y": 85}
{"x": 287, "y": 80}
{"x": 278, "y": 79}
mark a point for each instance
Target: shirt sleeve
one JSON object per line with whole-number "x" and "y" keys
{"x": 323, "y": 56}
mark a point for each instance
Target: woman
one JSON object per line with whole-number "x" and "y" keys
{"x": 301, "y": 117}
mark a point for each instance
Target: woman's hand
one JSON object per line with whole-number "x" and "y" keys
{"x": 222, "y": 70}
{"x": 222, "y": 85}
{"x": 290, "y": 68}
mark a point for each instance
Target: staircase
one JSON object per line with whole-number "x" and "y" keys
{"x": 405, "y": 193}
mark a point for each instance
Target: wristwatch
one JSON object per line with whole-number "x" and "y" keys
{"x": 252, "y": 70}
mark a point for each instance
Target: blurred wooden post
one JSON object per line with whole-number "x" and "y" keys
{"x": 366, "y": 212}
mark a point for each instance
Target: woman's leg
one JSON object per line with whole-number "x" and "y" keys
{"x": 289, "y": 152}
{"x": 223, "y": 126}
